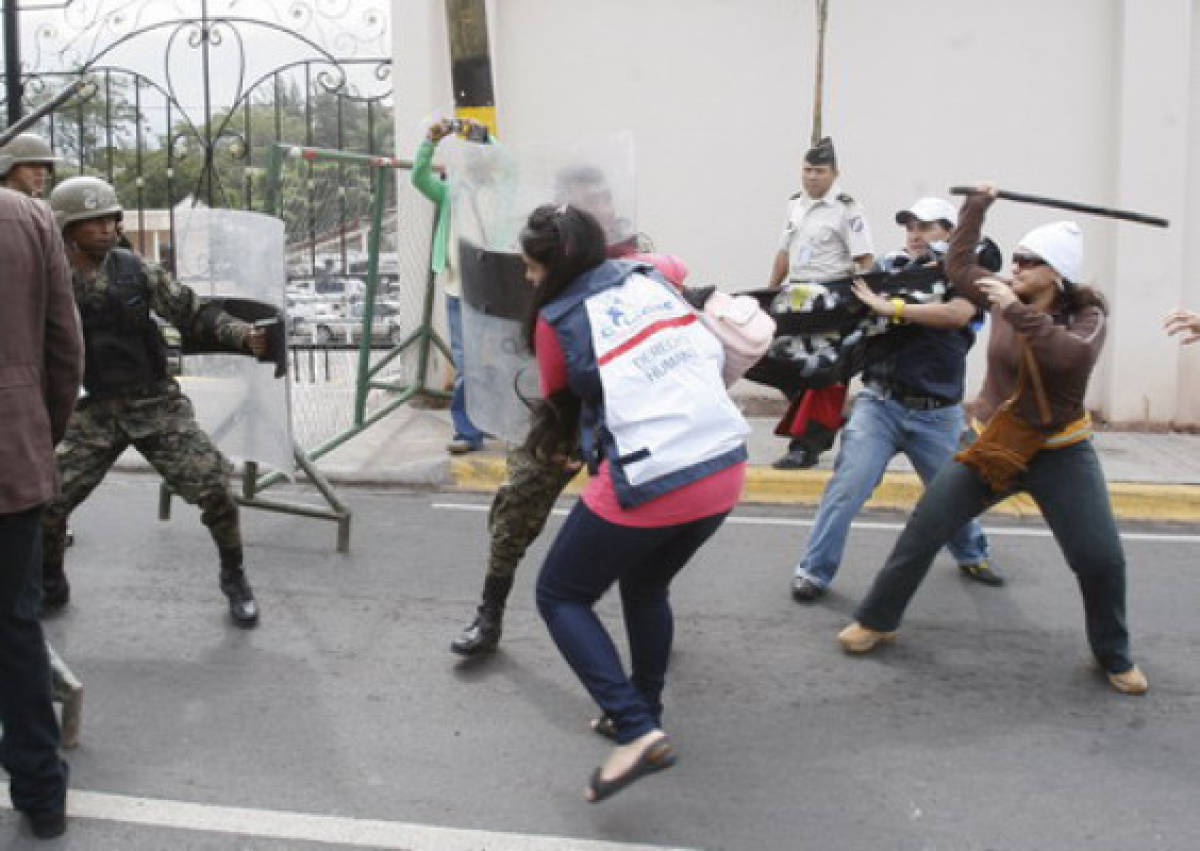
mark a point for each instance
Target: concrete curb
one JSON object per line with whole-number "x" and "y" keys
{"x": 484, "y": 472}
{"x": 899, "y": 491}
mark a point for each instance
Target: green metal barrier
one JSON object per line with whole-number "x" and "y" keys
{"x": 425, "y": 338}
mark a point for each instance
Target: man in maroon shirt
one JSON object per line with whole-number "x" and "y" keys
{"x": 41, "y": 367}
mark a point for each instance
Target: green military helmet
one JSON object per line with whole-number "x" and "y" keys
{"x": 77, "y": 199}
{"x": 26, "y": 148}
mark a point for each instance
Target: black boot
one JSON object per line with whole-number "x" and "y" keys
{"x": 56, "y": 591}
{"x": 483, "y": 633}
{"x": 242, "y": 607}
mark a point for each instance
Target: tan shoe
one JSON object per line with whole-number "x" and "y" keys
{"x": 857, "y": 638}
{"x": 1132, "y": 681}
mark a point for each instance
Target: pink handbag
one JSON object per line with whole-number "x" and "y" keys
{"x": 744, "y": 329}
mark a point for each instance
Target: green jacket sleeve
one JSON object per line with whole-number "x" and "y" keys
{"x": 427, "y": 183}
{"x": 433, "y": 188}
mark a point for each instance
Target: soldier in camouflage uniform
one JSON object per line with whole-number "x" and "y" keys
{"x": 517, "y": 516}
{"x": 130, "y": 398}
{"x": 26, "y": 164}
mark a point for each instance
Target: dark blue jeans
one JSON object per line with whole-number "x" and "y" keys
{"x": 1068, "y": 486}
{"x": 587, "y": 557}
{"x": 29, "y": 747}
{"x": 463, "y": 427}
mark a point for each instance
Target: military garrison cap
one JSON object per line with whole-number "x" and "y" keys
{"x": 822, "y": 153}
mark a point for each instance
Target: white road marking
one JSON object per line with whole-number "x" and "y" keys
{"x": 307, "y": 827}
{"x": 997, "y": 531}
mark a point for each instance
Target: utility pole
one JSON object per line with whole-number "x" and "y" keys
{"x": 12, "y": 61}
{"x": 822, "y": 8}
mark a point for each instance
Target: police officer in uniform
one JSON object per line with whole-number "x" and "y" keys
{"x": 26, "y": 164}
{"x": 130, "y": 398}
{"x": 825, "y": 237}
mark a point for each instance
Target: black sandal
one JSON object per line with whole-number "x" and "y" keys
{"x": 605, "y": 726}
{"x": 658, "y": 756}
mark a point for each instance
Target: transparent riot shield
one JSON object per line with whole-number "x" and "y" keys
{"x": 236, "y": 254}
{"x": 493, "y": 189}
{"x": 498, "y": 369}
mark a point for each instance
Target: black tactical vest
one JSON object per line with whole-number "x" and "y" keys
{"x": 124, "y": 349}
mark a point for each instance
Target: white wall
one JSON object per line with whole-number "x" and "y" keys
{"x": 1085, "y": 100}
{"x": 1188, "y": 377}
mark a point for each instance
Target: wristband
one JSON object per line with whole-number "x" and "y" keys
{"x": 898, "y": 306}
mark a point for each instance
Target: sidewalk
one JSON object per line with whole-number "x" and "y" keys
{"x": 1151, "y": 476}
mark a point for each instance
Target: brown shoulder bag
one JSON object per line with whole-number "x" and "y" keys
{"x": 1008, "y": 443}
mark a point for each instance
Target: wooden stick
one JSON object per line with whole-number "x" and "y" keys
{"x": 1107, "y": 212}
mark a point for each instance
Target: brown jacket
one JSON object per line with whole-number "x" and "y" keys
{"x": 1065, "y": 343}
{"x": 41, "y": 351}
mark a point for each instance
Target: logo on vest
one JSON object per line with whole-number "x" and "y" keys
{"x": 623, "y": 318}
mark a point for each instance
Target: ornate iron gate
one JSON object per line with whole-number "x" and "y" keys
{"x": 190, "y": 106}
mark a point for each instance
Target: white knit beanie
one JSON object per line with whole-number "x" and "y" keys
{"x": 1060, "y": 244}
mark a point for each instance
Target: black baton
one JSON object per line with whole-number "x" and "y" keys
{"x": 1075, "y": 206}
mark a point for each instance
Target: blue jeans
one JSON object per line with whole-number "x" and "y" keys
{"x": 586, "y": 558}
{"x": 29, "y": 743}
{"x": 878, "y": 429}
{"x": 463, "y": 427}
{"x": 1068, "y": 486}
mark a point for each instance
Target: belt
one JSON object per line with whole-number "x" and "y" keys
{"x": 140, "y": 391}
{"x": 1076, "y": 431}
{"x": 923, "y": 403}
{"x": 912, "y": 401}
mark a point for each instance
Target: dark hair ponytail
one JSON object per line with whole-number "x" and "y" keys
{"x": 1078, "y": 296}
{"x": 567, "y": 242}
{"x": 554, "y": 429}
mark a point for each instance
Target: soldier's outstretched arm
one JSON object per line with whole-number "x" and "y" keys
{"x": 178, "y": 304}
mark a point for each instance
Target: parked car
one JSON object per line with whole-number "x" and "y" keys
{"x": 325, "y": 288}
{"x": 337, "y": 327}
{"x": 301, "y": 309}
{"x": 389, "y": 268}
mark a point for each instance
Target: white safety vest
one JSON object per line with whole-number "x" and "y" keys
{"x": 665, "y": 404}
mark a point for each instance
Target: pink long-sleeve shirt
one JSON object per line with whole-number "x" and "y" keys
{"x": 713, "y": 494}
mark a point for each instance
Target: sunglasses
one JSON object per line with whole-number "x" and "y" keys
{"x": 1027, "y": 261}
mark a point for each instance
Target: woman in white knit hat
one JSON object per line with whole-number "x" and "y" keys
{"x": 1034, "y": 436}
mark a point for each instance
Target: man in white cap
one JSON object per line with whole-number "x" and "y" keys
{"x": 825, "y": 237}
{"x": 1047, "y": 334}
{"x": 913, "y": 386}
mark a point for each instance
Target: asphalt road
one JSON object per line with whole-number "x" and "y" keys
{"x": 343, "y": 721}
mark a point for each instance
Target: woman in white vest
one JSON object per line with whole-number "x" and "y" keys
{"x": 628, "y": 372}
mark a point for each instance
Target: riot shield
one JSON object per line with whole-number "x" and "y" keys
{"x": 493, "y": 189}
{"x": 235, "y": 257}
{"x": 498, "y": 368}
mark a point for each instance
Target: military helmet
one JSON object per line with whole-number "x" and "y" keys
{"x": 26, "y": 148}
{"x": 77, "y": 199}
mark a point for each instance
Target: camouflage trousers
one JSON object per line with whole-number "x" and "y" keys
{"x": 520, "y": 508}
{"x": 164, "y": 430}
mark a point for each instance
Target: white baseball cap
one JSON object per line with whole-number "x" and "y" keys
{"x": 929, "y": 210}
{"x": 1060, "y": 244}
